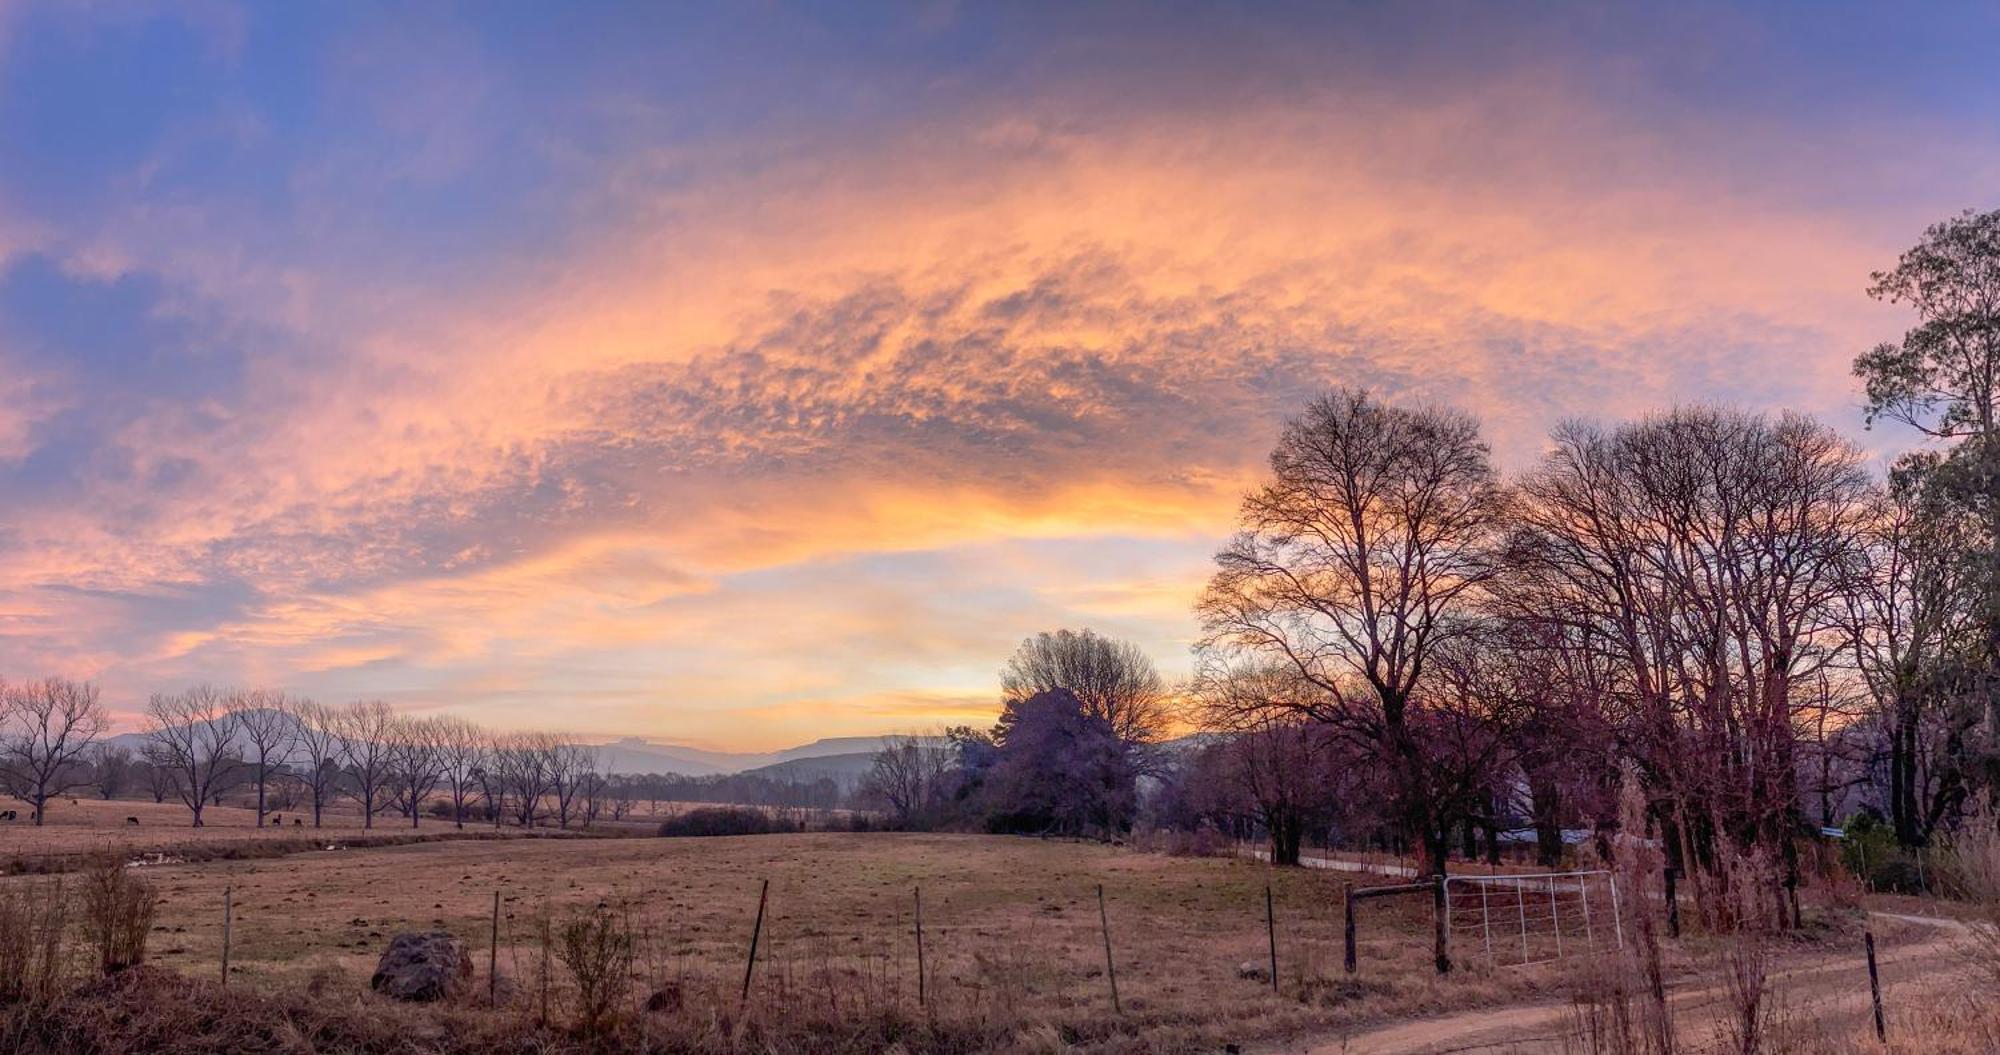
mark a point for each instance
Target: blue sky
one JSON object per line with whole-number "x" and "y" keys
{"x": 748, "y": 373}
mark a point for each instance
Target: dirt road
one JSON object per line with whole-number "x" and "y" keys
{"x": 1827, "y": 988}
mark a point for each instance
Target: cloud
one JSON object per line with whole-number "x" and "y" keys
{"x": 500, "y": 378}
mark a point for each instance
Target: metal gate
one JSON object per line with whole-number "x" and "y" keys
{"x": 1515, "y": 920}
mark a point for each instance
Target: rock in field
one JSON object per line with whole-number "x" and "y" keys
{"x": 426, "y": 965}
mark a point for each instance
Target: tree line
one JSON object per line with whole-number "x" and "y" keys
{"x": 1726, "y": 611}
{"x": 290, "y": 753}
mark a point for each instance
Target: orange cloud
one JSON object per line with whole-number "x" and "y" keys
{"x": 585, "y": 473}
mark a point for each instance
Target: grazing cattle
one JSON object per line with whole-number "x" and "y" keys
{"x": 297, "y": 823}
{"x": 133, "y": 821}
{"x": 276, "y": 820}
{"x": 7, "y": 816}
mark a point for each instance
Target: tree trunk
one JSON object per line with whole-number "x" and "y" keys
{"x": 1904, "y": 811}
{"x": 1437, "y": 845}
{"x": 1287, "y": 834}
{"x": 1545, "y": 802}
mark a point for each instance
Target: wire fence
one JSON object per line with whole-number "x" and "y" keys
{"x": 1516, "y": 920}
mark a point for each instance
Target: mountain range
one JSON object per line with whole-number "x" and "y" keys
{"x": 842, "y": 757}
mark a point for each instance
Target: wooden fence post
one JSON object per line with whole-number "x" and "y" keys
{"x": 922, "y": 995}
{"x": 1271, "y": 926}
{"x": 228, "y": 912}
{"x": 1110, "y": 968}
{"x": 493, "y": 957}
{"x": 1875, "y": 988}
{"x": 756, "y": 933}
{"x": 1350, "y": 930}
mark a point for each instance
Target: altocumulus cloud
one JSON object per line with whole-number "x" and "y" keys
{"x": 530, "y": 366}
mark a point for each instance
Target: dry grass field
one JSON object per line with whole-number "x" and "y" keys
{"x": 1011, "y": 925}
{"x": 1014, "y": 946}
{"x": 1012, "y": 930}
{"x": 85, "y": 826}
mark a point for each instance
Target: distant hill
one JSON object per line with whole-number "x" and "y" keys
{"x": 839, "y": 745}
{"x": 842, "y": 757}
{"x": 845, "y": 769}
{"x": 834, "y": 756}
{"x": 136, "y": 742}
{"x": 633, "y": 755}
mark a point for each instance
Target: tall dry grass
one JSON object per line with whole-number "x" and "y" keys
{"x": 1972, "y": 874}
{"x": 1619, "y": 1002}
{"x": 35, "y": 960}
{"x": 118, "y": 910}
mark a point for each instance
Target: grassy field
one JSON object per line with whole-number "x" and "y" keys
{"x": 1012, "y": 929}
{"x": 80, "y": 828}
{"x": 1014, "y": 943}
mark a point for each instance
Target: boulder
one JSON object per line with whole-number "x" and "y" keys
{"x": 423, "y": 965}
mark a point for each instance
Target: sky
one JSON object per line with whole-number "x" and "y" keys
{"x": 746, "y": 373}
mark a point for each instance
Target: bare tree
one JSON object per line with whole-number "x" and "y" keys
{"x": 316, "y": 733}
{"x": 525, "y": 762}
{"x": 1357, "y": 559}
{"x": 111, "y": 769}
{"x": 908, "y": 776}
{"x": 624, "y": 793}
{"x": 569, "y": 763}
{"x": 491, "y": 775}
{"x": 417, "y": 763}
{"x": 268, "y": 729}
{"x": 45, "y": 728}
{"x": 159, "y": 779}
{"x": 286, "y": 787}
{"x": 192, "y": 735}
{"x": 1273, "y": 755}
{"x": 594, "y": 789}
{"x": 1712, "y": 557}
{"x": 368, "y": 750}
{"x": 1114, "y": 680}
{"x": 463, "y": 752}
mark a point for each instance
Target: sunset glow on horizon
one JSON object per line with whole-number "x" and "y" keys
{"x": 748, "y": 374}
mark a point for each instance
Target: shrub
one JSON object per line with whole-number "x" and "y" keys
{"x": 1871, "y": 853}
{"x": 118, "y": 910}
{"x": 724, "y": 820}
{"x": 596, "y": 948}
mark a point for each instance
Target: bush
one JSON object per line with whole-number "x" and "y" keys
{"x": 1871, "y": 853}
{"x": 596, "y": 948}
{"x": 118, "y": 910}
{"x": 724, "y": 820}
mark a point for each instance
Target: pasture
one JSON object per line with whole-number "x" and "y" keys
{"x": 1012, "y": 929}
{"x": 1014, "y": 944}
{"x": 77, "y": 829}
